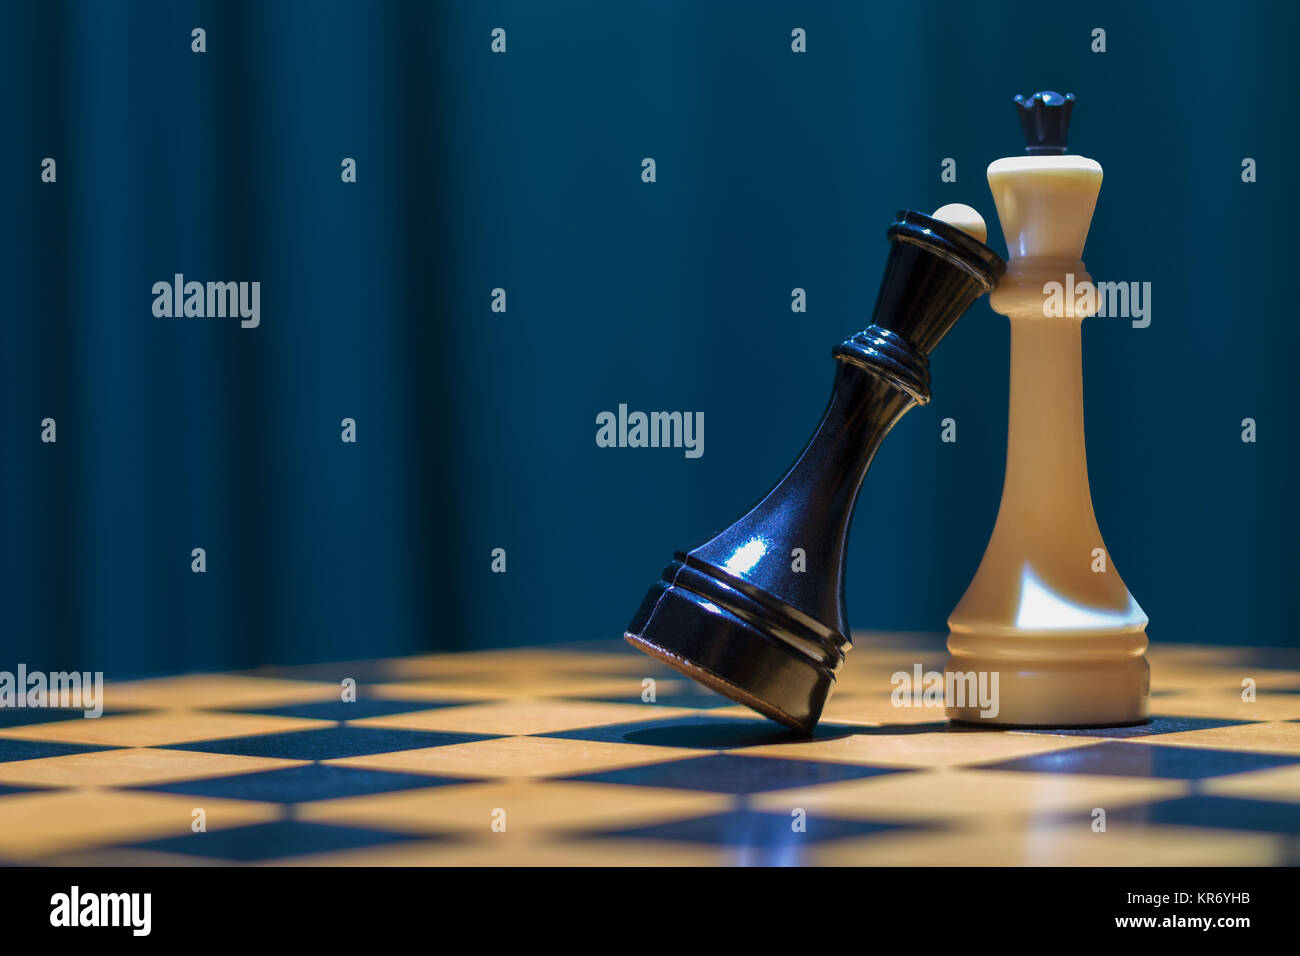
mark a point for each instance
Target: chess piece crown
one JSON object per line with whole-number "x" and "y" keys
{"x": 1045, "y": 119}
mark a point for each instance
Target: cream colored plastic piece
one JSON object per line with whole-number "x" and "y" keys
{"x": 1047, "y": 610}
{"x": 964, "y": 218}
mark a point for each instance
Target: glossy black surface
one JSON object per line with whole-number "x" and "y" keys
{"x": 1045, "y": 121}
{"x": 735, "y": 612}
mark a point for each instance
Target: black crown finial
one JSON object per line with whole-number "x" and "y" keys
{"x": 1045, "y": 119}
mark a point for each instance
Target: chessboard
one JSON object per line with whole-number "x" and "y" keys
{"x": 597, "y": 755}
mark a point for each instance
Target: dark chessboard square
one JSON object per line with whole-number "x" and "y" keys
{"x": 732, "y": 773}
{"x": 1220, "y": 813}
{"x": 1156, "y": 725}
{"x": 25, "y": 716}
{"x": 5, "y": 789}
{"x": 38, "y": 749}
{"x": 701, "y": 733}
{"x": 303, "y": 784}
{"x": 1116, "y": 758}
{"x": 771, "y": 832}
{"x": 341, "y": 710}
{"x": 269, "y": 841}
{"x": 329, "y": 743}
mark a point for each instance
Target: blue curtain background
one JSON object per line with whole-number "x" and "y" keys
{"x": 476, "y": 430}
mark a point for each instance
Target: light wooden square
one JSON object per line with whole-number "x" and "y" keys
{"x": 1056, "y": 846}
{"x": 945, "y": 795}
{"x": 153, "y": 728}
{"x": 1279, "y": 737}
{"x": 524, "y": 717}
{"x": 1279, "y": 784}
{"x": 519, "y": 757}
{"x": 216, "y": 690}
{"x": 532, "y": 809}
{"x": 514, "y": 852}
{"x": 37, "y": 824}
{"x": 512, "y": 687}
{"x": 920, "y": 750}
{"x": 524, "y": 661}
{"x": 130, "y": 768}
{"x": 1227, "y": 705}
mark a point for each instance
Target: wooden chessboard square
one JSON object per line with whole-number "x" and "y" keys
{"x": 964, "y": 794}
{"x": 766, "y": 839}
{"x": 734, "y": 773}
{"x": 1274, "y": 680}
{"x": 260, "y": 842}
{"x": 13, "y": 717}
{"x": 878, "y": 709}
{"x": 1072, "y": 845}
{"x": 329, "y": 742}
{"x": 373, "y": 670}
{"x": 516, "y": 757}
{"x": 303, "y": 783}
{"x": 485, "y": 687}
{"x": 521, "y": 717}
{"x": 1156, "y": 727}
{"x": 919, "y": 747}
{"x": 532, "y": 809}
{"x": 677, "y": 691}
{"x": 213, "y": 691}
{"x": 1278, "y": 783}
{"x": 11, "y": 750}
{"x": 519, "y": 662}
{"x": 556, "y": 850}
{"x": 37, "y": 824}
{"x": 1215, "y": 811}
{"x": 708, "y": 731}
{"x": 1165, "y": 654}
{"x": 156, "y": 728}
{"x": 129, "y": 768}
{"x": 1267, "y": 705}
{"x": 1133, "y": 758}
{"x": 878, "y": 679}
{"x": 1279, "y": 737}
{"x": 337, "y": 711}
{"x": 861, "y": 710}
{"x": 119, "y": 856}
{"x": 1194, "y": 678}
{"x": 1225, "y": 679}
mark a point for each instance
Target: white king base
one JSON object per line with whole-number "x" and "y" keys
{"x": 1047, "y": 611}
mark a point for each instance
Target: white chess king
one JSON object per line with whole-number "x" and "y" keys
{"x": 1047, "y": 610}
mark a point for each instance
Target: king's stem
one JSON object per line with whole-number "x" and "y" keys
{"x": 1047, "y": 467}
